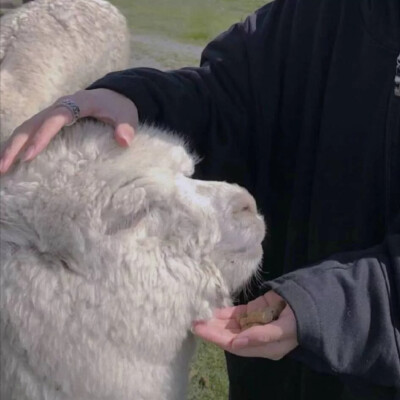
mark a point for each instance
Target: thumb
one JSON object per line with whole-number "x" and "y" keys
{"x": 124, "y": 133}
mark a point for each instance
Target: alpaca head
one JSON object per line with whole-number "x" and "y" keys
{"x": 121, "y": 249}
{"x": 86, "y": 200}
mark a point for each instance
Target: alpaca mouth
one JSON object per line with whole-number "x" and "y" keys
{"x": 253, "y": 241}
{"x": 255, "y": 251}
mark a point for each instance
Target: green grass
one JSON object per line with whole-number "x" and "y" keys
{"x": 208, "y": 377}
{"x": 190, "y": 21}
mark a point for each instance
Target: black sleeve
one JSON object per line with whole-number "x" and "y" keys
{"x": 196, "y": 100}
{"x": 348, "y": 312}
{"x": 213, "y": 105}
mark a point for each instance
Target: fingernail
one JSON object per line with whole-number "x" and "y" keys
{"x": 4, "y": 164}
{"x": 125, "y": 138}
{"x": 240, "y": 343}
{"x": 29, "y": 153}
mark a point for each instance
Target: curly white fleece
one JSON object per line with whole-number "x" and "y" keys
{"x": 107, "y": 256}
{"x": 49, "y": 48}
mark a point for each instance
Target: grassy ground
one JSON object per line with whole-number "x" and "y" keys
{"x": 170, "y": 34}
{"x": 208, "y": 377}
{"x": 189, "y": 21}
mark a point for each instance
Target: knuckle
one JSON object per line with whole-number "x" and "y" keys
{"x": 59, "y": 115}
{"x": 62, "y": 98}
{"x": 54, "y": 113}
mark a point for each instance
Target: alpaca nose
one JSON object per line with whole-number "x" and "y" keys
{"x": 244, "y": 202}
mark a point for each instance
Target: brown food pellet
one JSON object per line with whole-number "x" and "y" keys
{"x": 260, "y": 317}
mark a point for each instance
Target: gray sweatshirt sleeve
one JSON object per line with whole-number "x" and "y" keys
{"x": 348, "y": 312}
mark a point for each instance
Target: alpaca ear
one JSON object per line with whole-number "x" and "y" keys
{"x": 124, "y": 209}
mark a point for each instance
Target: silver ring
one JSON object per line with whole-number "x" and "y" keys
{"x": 72, "y": 107}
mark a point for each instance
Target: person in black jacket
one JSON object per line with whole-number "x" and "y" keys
{"x": 300, "y": 104}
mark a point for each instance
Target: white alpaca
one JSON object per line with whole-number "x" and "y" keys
{"x": 53, "y": 47}
{"x": 107, "y": 256}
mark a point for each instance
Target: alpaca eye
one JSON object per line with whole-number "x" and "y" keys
{"x": 66, "y": 265}
{"x": 243, "y": 209}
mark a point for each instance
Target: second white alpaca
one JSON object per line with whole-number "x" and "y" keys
{"x": 53, "y": 47}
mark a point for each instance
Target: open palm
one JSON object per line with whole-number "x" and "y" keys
{"x": 273, "y": 340}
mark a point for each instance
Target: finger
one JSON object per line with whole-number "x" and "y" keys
{"x": 272, "y": 298}
{"x": 219, "y": 324}
{"x": 18, "y": 140}
{"x": 220, "y": 338}
{"x": 272, "y": 351}
{"x": 269, "y": 299}
{"x": 217, "y": 333}
{"x": 258, "y": 336}
{"x": 57, "y": 119}
{"x": 124, "y": 133}
{"x": 12, "y": 149}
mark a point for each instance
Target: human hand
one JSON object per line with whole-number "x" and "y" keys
{"x": 273, "y": 340}
{"x": 31, "y": 137}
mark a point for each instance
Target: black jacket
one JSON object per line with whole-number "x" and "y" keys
{"x": 298, "y": 104}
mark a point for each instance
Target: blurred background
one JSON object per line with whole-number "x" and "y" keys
{"x": 169, "y": 34}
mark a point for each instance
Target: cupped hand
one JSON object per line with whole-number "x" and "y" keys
{"x": 273, "y": 340}
{"x": 32, "y": 136}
